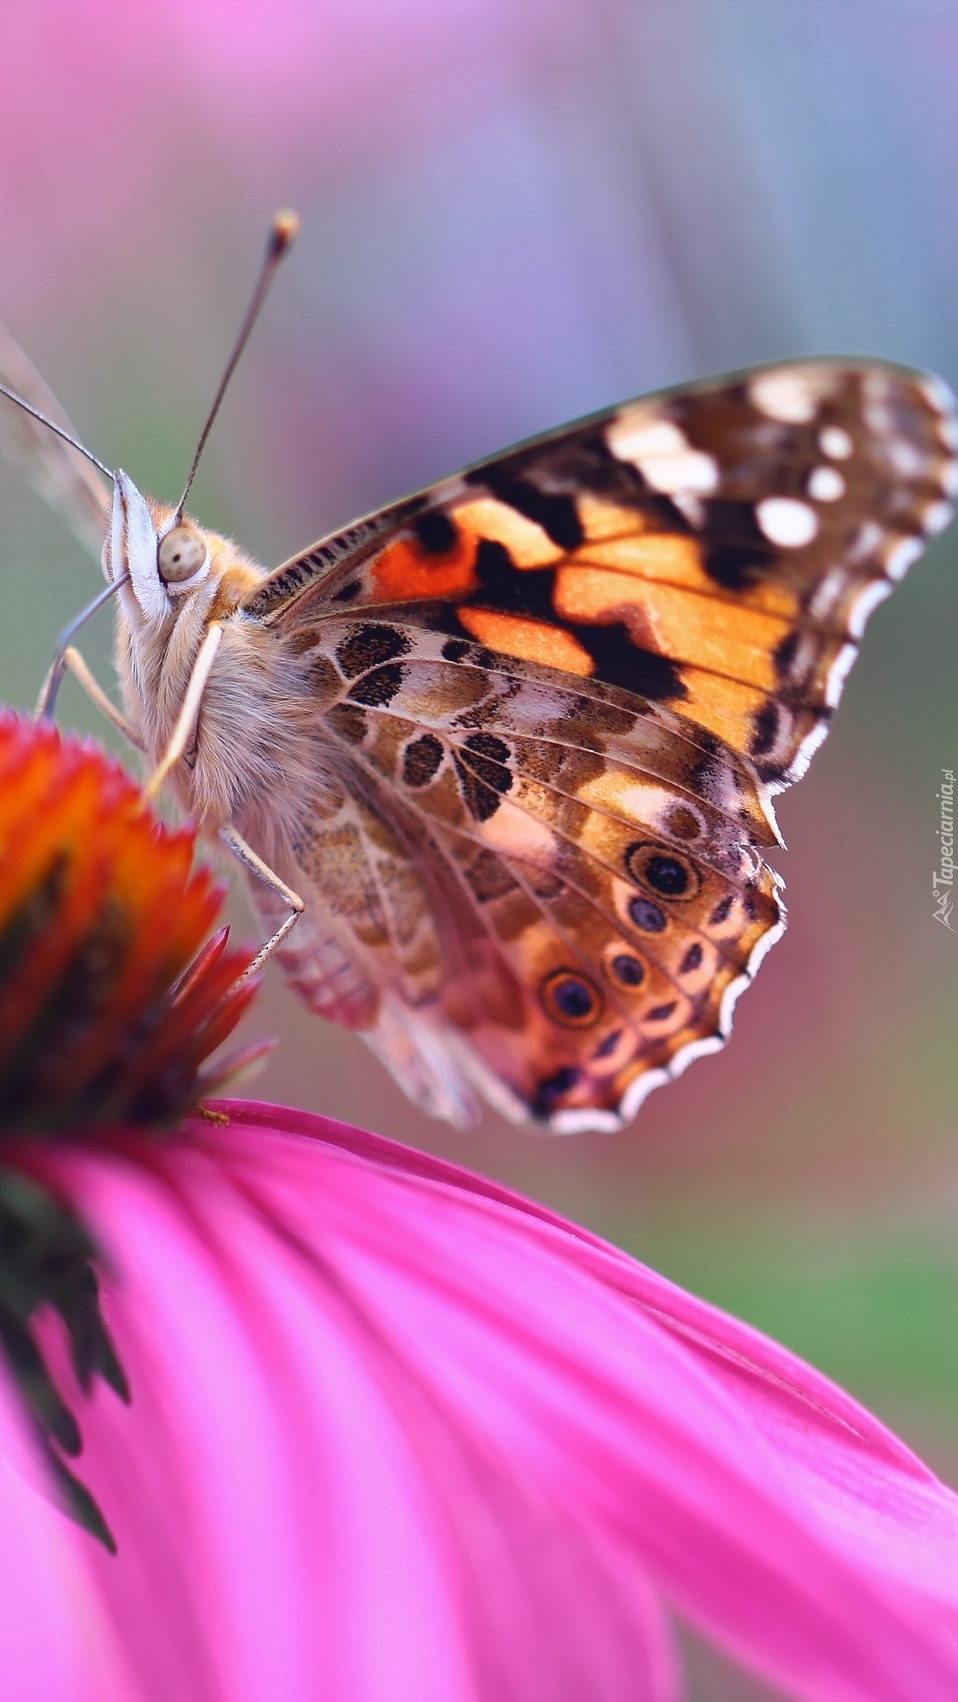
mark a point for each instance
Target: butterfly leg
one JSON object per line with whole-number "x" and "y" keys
{"x": 70, "y": 661}
{"x": 247, "y": 856}
{"x": 189, "y": 710}
{"x": 46, "y": 702}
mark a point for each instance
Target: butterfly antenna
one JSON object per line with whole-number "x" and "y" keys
{"x": 60, "y": 430}
{"x": 283, "y": 232}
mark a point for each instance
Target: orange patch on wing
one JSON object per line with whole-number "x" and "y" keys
{"x": 728, "y": 638}
{"x": 650, "y": 555}
{"x": 600, "y": 519}
{"x": 676, "y": 560}
{"x": 771, "y": 598}
{"x": 403, "y": 572}
{"x": 528, "y": 544}
{"x": 725, "y": 637}
{"x": 593, "y": 595}
{"x": 532, "y": 641}
{"x": 723, "y": 707}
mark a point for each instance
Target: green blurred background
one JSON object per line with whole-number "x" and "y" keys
{"x": 516, "y": 211}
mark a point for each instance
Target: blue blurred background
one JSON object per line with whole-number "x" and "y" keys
{"x": 516, "y": 211}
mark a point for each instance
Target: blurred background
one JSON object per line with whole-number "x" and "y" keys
{"x": 516, "y": 211}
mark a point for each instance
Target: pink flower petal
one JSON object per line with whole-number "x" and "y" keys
{"x": 55, "y": 1643}
{"x": 399, "y": 1434}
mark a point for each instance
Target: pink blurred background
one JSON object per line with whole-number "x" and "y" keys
{"x": 513, "y": 214}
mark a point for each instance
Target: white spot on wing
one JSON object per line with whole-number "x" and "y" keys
{"x": 907, "y": 460}
{"x": 691, "y": 506}
{"x": 694, "y": 471}
{"x": 936, "y": 518}
{"x": 943, "y": 401}
{"x": 879, "y": 398}
{"x": 663, "y": 455}
{"x": 645, "y": 804}
{"x": 828, "y": 594}
{"x": 803, "y": 657}
{"x": 867, "y": 543}
{"x": 804, "y": 754}
{"x": 900, "y": 559}
{"x": 581, "y": 1121}
{"x": 786, "y": 521}
{"x": 870, "y": 598}
{"x": 785, "y": 396}
{"x": 838, "y": 673}
{"x": 638, "y": 1090}
{"x": 736, "y": 988}
{"x": 826, "y": 484}
{"x": 635, "y": 436}
{"x": 836, "y": 442}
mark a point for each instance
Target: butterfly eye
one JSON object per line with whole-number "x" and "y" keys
{"x": 182, "y": 555}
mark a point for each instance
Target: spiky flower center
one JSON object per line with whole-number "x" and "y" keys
{"x": 112, "y": 998}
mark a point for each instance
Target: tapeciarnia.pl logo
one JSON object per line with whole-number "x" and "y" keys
{"x": 943, "y": 882}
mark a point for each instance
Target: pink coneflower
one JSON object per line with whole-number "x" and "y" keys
{"x": 393, "y": 1434}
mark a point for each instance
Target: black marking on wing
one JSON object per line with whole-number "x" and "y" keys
{"x": 506, "y": 589}
{"x": 785, "y": 653}
{"x": 766, "y": 729}
{"x": 552, "y": 1089}
{"x": 436, "y": 533}
{"x": 554, "y": 511}
{"x": 422, "y": 759}
{"x": 349, "y": 721}
{"x": 608, "y": 1045}
{"x": 379, "y": 687}
{"x": 370, "y": 644}
{"x": 735, "y": 551}
{"x": 543, "y": 480}
{"x": 481, "y": 764}
{"x": 511, "y": 590}
{"x": 621, "y": 662}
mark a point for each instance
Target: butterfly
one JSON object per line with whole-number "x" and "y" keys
{"x": 511, "y": 744}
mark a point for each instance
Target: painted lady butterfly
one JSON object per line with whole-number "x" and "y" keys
{"x": 514, "y": 739}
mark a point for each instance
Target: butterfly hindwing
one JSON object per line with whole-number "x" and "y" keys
{"x": 554, "y": 695}
{"x": 578, "y": 925}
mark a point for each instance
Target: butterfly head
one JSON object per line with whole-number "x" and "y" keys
{"x": 165, "y": 556}
{"x": 174, "y": 565}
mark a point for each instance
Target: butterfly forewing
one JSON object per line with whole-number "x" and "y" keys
{"x": 558, "y": 691}
{"x": 715, "y": 551}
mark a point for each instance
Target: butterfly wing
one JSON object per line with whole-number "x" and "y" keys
{"x": 527, "y": 874}
{"x": 715, "y": 551}
{"x": 565, "y": 684}
{"x": 63, "y": 477}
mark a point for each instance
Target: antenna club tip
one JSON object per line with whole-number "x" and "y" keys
{"x": 284, "y": 231}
